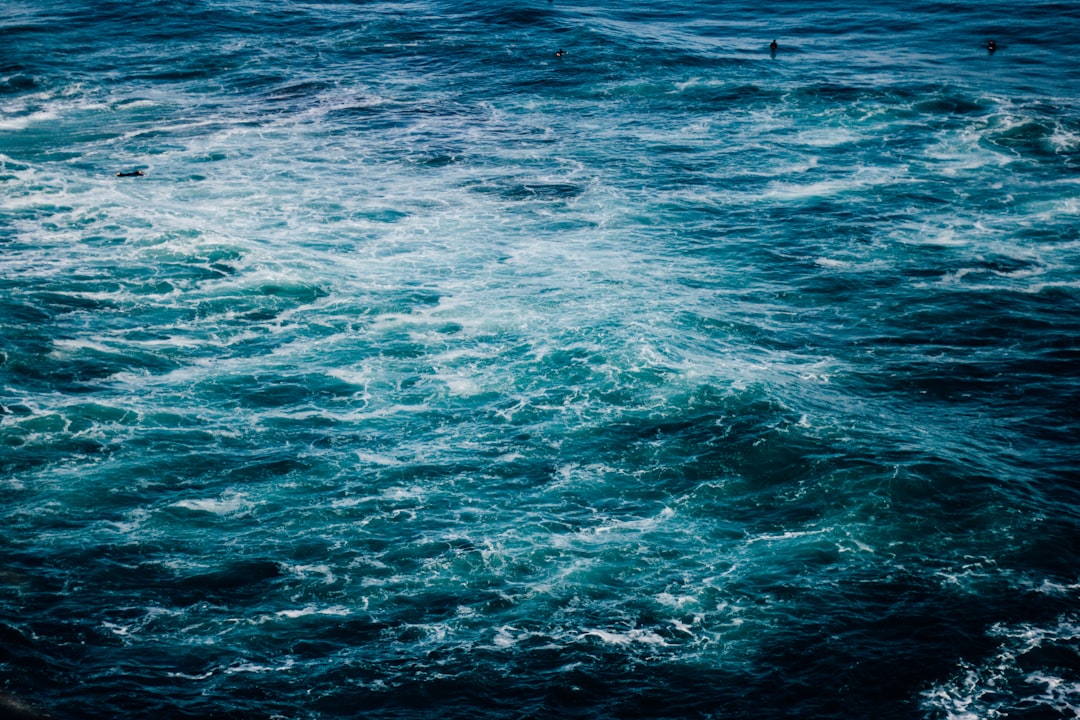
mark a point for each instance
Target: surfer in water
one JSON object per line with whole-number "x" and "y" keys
{"x": 133, "y": 173}
{"x": 560, "y": 53}
{"x": 991, "y": 46}
{"x": 773, "y": 46}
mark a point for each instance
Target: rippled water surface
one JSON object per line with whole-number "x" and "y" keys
{"x": 425, "y": 373}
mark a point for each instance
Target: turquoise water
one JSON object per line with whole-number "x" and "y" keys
{"x": 427, "y": 374}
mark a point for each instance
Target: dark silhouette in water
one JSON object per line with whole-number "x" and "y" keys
{"x": 773, "y": 46}
{"x": 560, "y": 53}
{"x": 991, "y": 46}
{"x": 231, "y": 582}
{"x": 135, "y": 173}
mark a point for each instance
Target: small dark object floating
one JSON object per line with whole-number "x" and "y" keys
{"x": 133, "y": 173}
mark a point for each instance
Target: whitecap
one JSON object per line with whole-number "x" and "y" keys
{"x": 21, "y": 122}
{"x": 640, "y": 525}
{"x": 635, "y": 635}
{"x": 325, "y": 571}
{"x": 224, "y": 505}
{"x": 975, "y": 691}
{"x": 675, "y": 601}
{"x": 335, "y": 610}
{"x": 458, "y": 385}
{"x": 250, "y": 667}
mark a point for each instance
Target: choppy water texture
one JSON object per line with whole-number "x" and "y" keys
{"x": 426, "y": 374}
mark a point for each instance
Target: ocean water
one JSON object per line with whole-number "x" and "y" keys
{"x": 425, "y": 373}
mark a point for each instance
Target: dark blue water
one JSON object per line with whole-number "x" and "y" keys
{"x": 427, "y": 374}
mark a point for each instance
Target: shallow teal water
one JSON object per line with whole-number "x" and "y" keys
{"x": 427, "y": 374}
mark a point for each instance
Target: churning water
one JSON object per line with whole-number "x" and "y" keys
{"x": 425, "y": 373}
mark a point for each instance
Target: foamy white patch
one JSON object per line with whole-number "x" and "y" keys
{"x": 790, "y": 535}
{"x": 75, "y": 344}
{"x": 376, "y": 458}
{"x": 947, "y": 237}
{"x": 21, "y": 122}
{"x": 226, "y": 505}
{"x": 636, "y": 525}
{"x": 1039, "y": 287}
{"x": 459, "y": 385}
{"x": 249, "y": 667}
{"x": 1049, "y": 587}
{"x": 327, "y": 574}
{"x": 636, "y": 635}
{"x": 360, "y": 378}
{"x": 352, "y": 502}
{"x": 190, "y": 676}
{"x": 127, "y": 631}
{"x": 975, "y": 692}
{"x": 135, "y": 520}
{"x": 859, "y": 546}
{"x": 402, "y": 493}
{"x": 675, "y": 601}
{"x": 116, "y": 629}
{"x": 826, "y": 188}
{"x": 504, "y": 637}
{"x": 335, "y": 610}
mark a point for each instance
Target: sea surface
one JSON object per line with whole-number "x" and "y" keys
{"x": 428, "y": 373}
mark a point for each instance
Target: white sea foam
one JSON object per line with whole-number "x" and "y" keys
{"x": 976, "y": 691}
{"x": 789, "y": 535}
{"x": 229, "y": 504}
{"x": 632, "y": 397}
{"x": 635, "y": 635}
{"x": 641, "y": 525}
{"x": 327, "y": 574}
{"x": 257, "y": 668}
{"x": 675, "y": 601}
{"x": 21, "y": 122}
{"x": 335, "y": 610}
{"x": 458, "y": 384}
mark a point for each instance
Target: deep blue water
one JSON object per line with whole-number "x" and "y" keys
{"x": 427, "y": 374}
